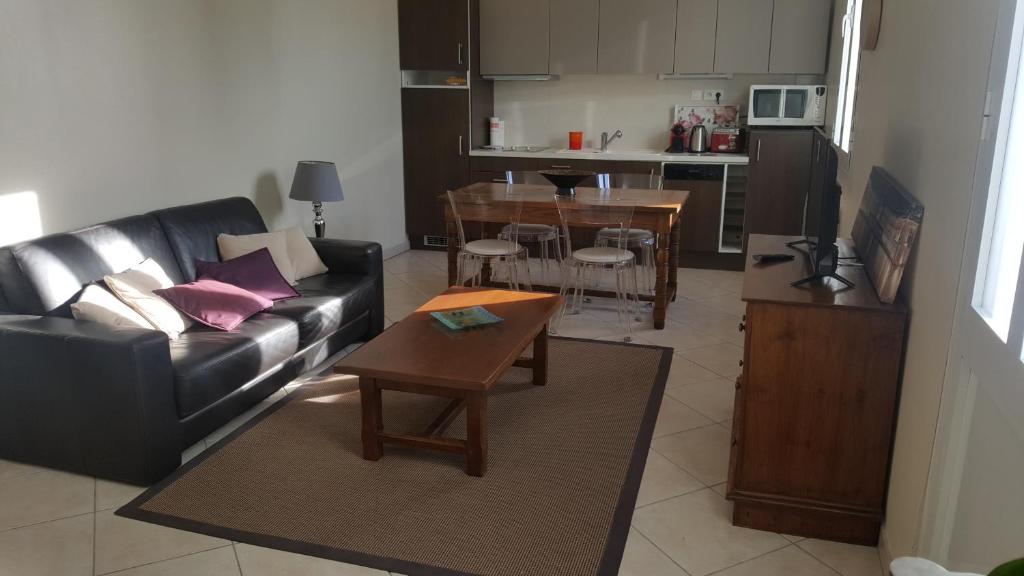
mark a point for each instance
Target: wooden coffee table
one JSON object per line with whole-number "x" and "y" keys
{"x": 421, "y": 356}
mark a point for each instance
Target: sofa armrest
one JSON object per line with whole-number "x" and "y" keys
{"x": 88, "y": 398}
{"x": 357, "y": 257}
{"x": 352, "y": 256}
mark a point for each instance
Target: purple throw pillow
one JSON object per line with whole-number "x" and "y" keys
{"x": 216, "y": 304}
{"x": 255, "y": 272}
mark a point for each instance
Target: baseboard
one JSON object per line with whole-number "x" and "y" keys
{"x": 884, "y": 553}
{"x": 392, "y": 251}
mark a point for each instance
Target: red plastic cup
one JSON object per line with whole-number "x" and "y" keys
{"x": 575, "y": 140}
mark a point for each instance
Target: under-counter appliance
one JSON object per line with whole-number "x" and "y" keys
{"x": 778, "y": 105}
{"x": 713, "y": 219}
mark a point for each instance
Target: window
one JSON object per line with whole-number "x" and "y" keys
{"x": 1003, "y": 240}
{"x": 848, "y": 76}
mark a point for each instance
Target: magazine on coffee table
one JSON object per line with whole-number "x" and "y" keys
{"x": 466, "y": 318}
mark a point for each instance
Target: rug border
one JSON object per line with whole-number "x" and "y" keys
{"x": 614, "y": 546}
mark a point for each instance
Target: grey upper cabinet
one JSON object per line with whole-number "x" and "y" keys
{"x": 574, "y": 26}
{"x": 800, "y": 31}
{"x": 514, "y": 36}
{"x": 744, "y": 40}
{"x": 637, "y": 36}
{"x": 696, "y": 29}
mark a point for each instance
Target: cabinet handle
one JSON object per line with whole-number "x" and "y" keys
{"x": 500, "y": 180}
{"x": 460, "y": 145}
{"x": 743, "y": 327}
{"x": 741, "y": 363}
{"x": 460, "y": 52}
{"x": 817, "y": 153}
{"x": 557, "y": 167}
{"x": 758, "y": 159}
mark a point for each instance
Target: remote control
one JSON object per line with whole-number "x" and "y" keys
{"x": 770, "y": 258}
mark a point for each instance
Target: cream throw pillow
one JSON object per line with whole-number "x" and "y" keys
{"x": 276, "y": 242}
{"x": 98, "y": 305}
{"x": 135, "y": 288}
{"x": 304, "y": 257}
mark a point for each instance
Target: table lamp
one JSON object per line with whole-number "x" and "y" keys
{"x": 317, "y": 182}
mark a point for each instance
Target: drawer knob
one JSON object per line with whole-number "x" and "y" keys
{"x": 741, "y": 363}
{"x": 743, "y": 327}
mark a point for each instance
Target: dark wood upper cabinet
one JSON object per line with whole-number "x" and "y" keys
{"x": 779, "y": 179}
{"x": 433, "y": 34}
{"x": 436, "y": 128}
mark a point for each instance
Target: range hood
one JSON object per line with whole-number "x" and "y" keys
{"x": 520, "y": 77}
{"x": 698, "y": 76}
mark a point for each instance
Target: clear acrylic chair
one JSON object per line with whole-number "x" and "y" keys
{"x": 643, "y": 241}
{"x": 543, "y": 235}
{"x": 582, "y": 266}
{"x": 477, "y": 210}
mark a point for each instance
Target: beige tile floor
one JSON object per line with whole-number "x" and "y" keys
{"x": 53, "y": 523}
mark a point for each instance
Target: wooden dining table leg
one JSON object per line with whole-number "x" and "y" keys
{"x": 476, "y": 434}
{"x": 661, "y": 259}
{"x": 373, "y": 420}
{"x": 453, "y": 252}
{"x": 673, "y": 261}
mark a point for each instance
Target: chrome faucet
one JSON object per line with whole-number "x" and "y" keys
{"x": 605, "y": 140}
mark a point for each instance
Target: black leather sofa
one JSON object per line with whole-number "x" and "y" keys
{"x": 121, "y": 403}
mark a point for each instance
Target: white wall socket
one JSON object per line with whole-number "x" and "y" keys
{"x": 696, "y": 95}
{"x": 709, "y": 95}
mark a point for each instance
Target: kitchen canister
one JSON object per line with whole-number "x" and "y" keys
{"x": 497, "y": 132}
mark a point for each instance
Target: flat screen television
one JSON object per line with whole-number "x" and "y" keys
{"x": 821, "y": 221}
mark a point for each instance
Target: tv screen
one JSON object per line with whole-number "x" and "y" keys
{"x": 822, "y": 217}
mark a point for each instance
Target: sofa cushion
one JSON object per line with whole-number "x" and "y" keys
{"x": 209, "y": 364}
{"x": 44, "y": 276}
{"x": 215, "y": 304}
{"x": 192, "y": 230}
{"x": 255, "y": 272}
{"x": 328, "y": 302}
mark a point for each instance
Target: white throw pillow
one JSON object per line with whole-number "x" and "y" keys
{"x": 307, "y": 262}
{"x": 276, "y": 242}
{"x": 135, "y": 288}
{"x": 98, "y": 305}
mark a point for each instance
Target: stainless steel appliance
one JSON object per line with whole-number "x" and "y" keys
{"x": 699, "y": 139}
{"x": 777, "y": 105}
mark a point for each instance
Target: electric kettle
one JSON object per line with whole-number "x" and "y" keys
{"x": 699, "y": 139}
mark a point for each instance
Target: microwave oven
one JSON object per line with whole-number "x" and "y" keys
{"x": 787, "y": 105}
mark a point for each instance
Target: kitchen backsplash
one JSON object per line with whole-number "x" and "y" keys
{"x": 643, "y": 107}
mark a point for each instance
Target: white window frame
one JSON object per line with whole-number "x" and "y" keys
{"x": 843, "y": 130}
{"x": 999, "y": 267}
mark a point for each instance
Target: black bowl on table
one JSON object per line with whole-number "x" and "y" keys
{"x": 566, "y": 180}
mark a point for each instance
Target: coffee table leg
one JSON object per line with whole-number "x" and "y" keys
{"x": 373, "y": 419}
{"x": 476, "y": 434}
{"x": 540, "y": 358}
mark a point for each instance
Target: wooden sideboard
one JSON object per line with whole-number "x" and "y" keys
{"x": 816, "y": 403}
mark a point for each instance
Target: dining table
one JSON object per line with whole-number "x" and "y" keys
{"x": 658, "y": 211}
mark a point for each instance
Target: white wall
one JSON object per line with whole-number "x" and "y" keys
{"x": 543, "y": 113}
{"x": 115, "y": 107}
{"x": 923, "y": 85}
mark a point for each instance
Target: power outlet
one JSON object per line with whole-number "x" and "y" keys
{"x": 709, "y": 95}
{"x": 696, "y": 95}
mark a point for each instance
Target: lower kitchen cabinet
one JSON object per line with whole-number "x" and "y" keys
{"x": 438, "y": 158}
{"x": 778, "y": 181}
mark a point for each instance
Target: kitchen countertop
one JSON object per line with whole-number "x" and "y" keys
{"x": 618, "y": 155}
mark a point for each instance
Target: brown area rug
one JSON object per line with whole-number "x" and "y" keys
{"x": 564, "y": 467}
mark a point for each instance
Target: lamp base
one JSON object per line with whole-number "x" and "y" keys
{"x": 319, "y": 224}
